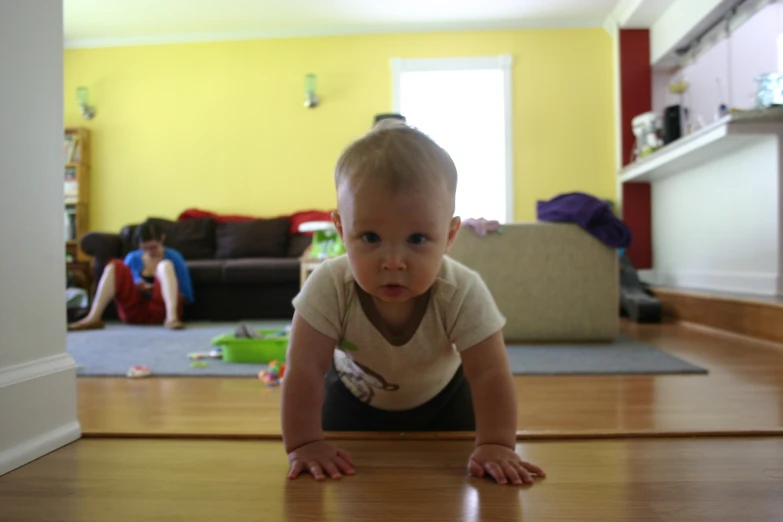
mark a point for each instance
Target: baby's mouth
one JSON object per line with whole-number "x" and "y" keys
{"x": 393, "y": 289}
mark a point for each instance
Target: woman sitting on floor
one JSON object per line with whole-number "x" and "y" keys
{"x": 149, "y": 287}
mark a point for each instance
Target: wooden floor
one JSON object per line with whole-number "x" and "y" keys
{"x": 625, "y": 480}
{"x": 742, "y": 394}
{"x": 759, "y": 317}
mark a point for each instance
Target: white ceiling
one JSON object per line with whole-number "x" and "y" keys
{"x": 90, "y": 23}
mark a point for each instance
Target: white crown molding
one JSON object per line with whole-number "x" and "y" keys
{"x": 638, "y": 14}
{"x": 611, "y": 26}
{"x": 624, "y": 10}
{"x": 164, "y": 39}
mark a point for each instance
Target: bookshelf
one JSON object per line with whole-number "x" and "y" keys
{"x": 76, "y": 199}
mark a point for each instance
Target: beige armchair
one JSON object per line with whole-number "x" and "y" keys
{"x": 553, "y": 282}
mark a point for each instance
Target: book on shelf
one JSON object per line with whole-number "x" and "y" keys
{"x": 70, "y": 224}
{"x": 71, "y": 185}
{"x": 72, "y": 148}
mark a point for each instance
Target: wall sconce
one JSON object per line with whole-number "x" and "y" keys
{"x": 83, "y": 99}
{"x": 311, "y": 100}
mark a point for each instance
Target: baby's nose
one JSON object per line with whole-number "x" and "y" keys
{"x": 393, "y": 261}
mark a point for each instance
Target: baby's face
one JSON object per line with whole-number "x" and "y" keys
{"x": 395, "y": 242}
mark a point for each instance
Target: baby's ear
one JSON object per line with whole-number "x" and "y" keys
{"x": 456, "y": 222}
{"x": 338, "y": 223}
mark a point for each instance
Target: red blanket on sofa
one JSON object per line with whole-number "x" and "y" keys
{"x": 297, "y": 218}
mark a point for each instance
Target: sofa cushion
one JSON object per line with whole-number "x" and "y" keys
{"x": 126, "y": 238}
{"x": 252, "y": 239}
{"x": 261, "y": 270}
{"x": 297, "y": 245}
{"x": 206, "y": 270}
{"x": 194, "y": 239}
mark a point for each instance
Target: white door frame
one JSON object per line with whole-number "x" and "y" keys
{"x": 502, "y": 62}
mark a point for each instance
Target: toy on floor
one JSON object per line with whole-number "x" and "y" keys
{"x": 217, "y": 353}
{"x": 198, "y": 365}
{"x": 137, "y": 372}
{"x": 249, "y": 345}
{"x": 273, "y": 375}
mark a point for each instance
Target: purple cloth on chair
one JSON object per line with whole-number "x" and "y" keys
{"x": 590, "y": 213}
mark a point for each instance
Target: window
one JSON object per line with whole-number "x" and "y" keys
{"x": 464, "y": 104}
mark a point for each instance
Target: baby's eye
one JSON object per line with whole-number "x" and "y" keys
{"x": 418, "y": 239}
{"x": 371, "y": 237}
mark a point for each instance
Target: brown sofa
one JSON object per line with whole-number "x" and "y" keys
{"x": 240, "y": 270}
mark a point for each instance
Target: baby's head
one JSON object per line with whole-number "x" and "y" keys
{"x": 395, "y": 210}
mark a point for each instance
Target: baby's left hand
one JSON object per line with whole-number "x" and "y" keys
{"x": 503, "y": 464}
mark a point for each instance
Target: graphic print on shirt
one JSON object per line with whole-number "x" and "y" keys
{"x": 347, "y": 346}
{"x": 362, "y": 381}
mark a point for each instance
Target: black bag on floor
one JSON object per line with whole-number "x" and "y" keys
{"x": 636, "y": 301}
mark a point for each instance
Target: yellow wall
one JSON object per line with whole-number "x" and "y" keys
{"x": 220, "y": 126}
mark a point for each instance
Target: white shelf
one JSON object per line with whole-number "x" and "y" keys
{"x": 712, "y": 142}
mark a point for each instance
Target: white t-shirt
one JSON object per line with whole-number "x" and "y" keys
{"x": 401, "y": 373}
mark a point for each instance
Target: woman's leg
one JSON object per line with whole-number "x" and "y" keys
{"x": 103, "y": 296}
{"x": 170, "y": 291}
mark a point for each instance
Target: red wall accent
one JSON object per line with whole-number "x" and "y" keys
{"x": 635, "y": 82}
{"x": 635, "y": 99}
{"x": 636, "y": 214}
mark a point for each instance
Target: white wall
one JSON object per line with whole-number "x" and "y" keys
{"x": 37, "y": 377}
{"x": 751, "y": 50}
{"x": 716, "y": 226}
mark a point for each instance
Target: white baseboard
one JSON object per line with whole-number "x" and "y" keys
{"x": 736, "y": 282}
{"x": 38, "y": 409}
{"x": 26, "y": 452}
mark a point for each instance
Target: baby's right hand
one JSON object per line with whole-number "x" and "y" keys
{"x": 320, "y": 458}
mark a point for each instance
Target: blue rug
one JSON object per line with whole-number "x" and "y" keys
{"x": 112, "y": 351}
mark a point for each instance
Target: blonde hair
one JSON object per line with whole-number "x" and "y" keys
{"x": 397, "y": 155}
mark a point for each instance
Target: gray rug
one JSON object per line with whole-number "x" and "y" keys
{"x": 112, "y": 351}
{"x": 624, "y": 356}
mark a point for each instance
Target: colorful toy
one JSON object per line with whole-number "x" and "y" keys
{"x": 137, "y": 372}
{"x": 262, "y": 346}
{"x": 277, "y": 369}
{"x": 198, "y": 365}
{"x": 273, "y": 375}
{"x": 326, "y": 241}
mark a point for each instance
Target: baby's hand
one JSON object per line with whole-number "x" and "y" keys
{"x": 319, "y": 457}
{"x": 503, "y": 464}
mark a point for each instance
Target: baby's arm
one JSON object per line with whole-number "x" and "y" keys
{"x": 495, "y": 404}
{"x": 492, "y": 387}
{"x": 309, "y": 356}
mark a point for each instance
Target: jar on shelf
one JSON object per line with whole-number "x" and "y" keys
{"x": 770, "y": 90}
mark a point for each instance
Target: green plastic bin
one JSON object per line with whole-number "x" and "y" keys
{"x": 243, "y": 350}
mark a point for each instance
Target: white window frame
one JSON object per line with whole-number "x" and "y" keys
{"x": 502, "y": 62}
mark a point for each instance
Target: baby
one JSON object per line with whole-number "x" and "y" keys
{"x": 408, "y": 338}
